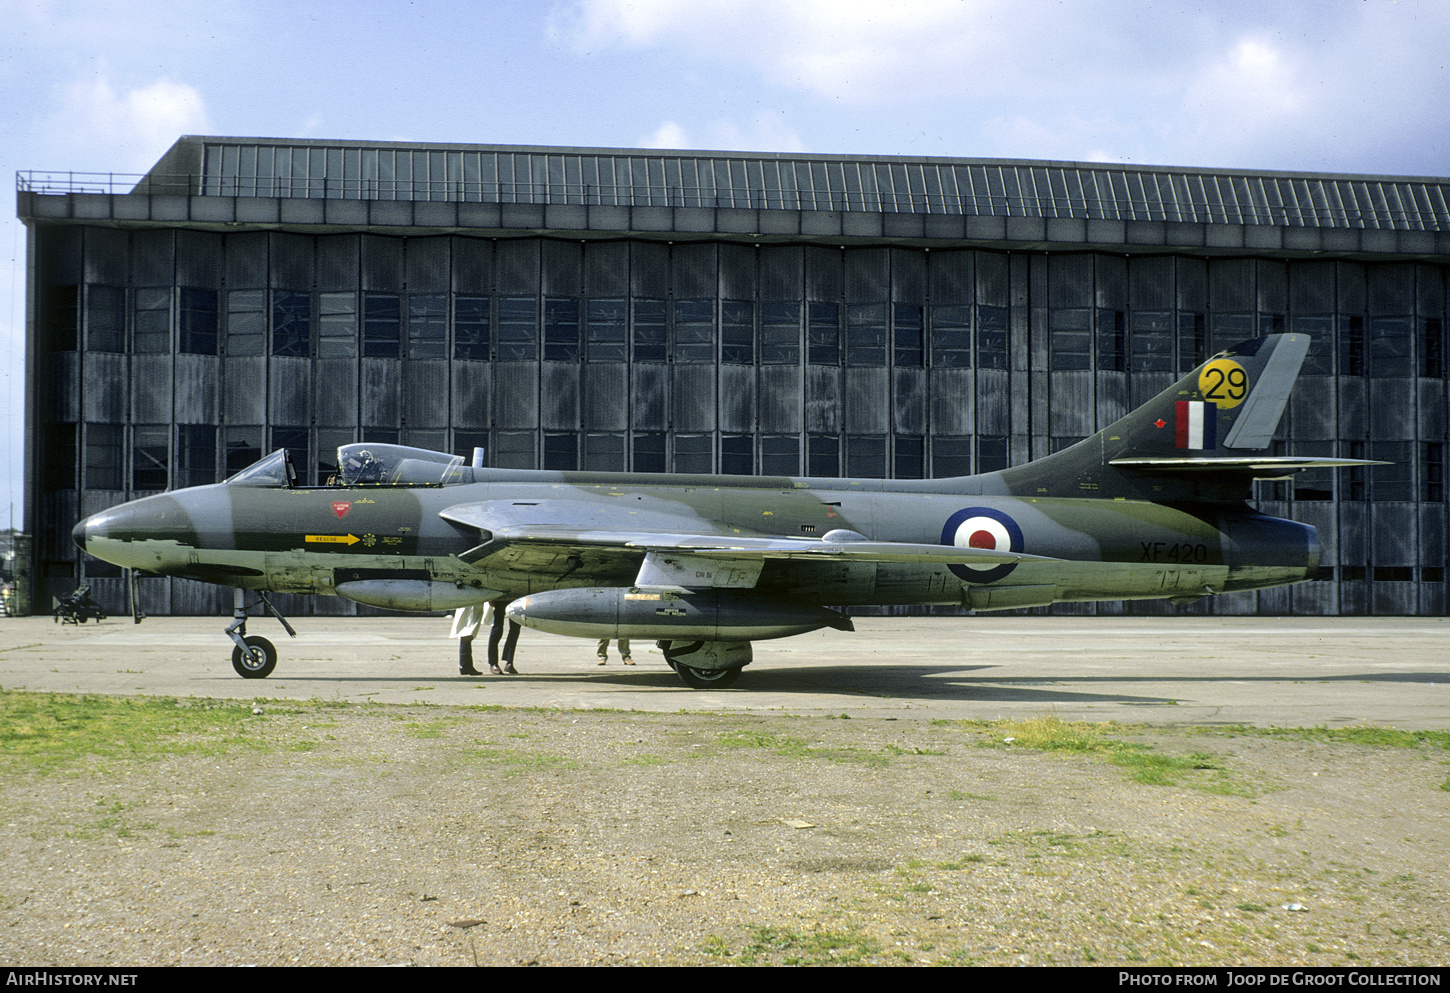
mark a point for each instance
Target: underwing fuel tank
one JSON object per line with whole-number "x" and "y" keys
{"x": 669, "y": 614}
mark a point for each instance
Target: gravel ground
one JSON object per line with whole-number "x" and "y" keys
{"x": 363, "y": 835}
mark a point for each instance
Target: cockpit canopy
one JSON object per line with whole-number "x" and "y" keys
{"x": 364, "y": 463}
{"x": 398, "y": 465}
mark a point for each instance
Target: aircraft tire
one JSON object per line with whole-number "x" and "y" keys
{"x": 260, "y": 660}
{"x": 706, "y": 679}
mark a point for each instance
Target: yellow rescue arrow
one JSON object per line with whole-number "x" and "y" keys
{"x": 333, "y": 539}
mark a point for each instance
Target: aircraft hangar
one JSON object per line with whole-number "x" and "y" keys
{"x": 611, "y": 309}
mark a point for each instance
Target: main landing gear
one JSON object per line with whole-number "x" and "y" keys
{"x": 254, "y": 657}
{"x": 707, "y": 665}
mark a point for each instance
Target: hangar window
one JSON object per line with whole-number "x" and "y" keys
{"x": 991, "y": 337}
{"x": 780, "y": 333}
{"x": 1112, "y": 341}
{"x": 737, "y": 332}
{"x": 694, "y": 453}
{"x": 1432, "y": 472}
{"x": 865, "y": 334}
{"x": 1432, "y": 347}
{"x": 195, "y": 454}
{"x": 1314, "y": 484}
{"x": 1391, "y": 352}
{"x": 150, "y": 457}
{"x": 427, "y": 326}
{"x": 60, "y": 306}
{"x": 649, "y": 452}
{"x": 514, "y": 450}
{"x": 1192, "y": 340}
{"x": 991, "y": 453}
{"x": 1070, "y": 339}
{"x": 518, "y": 333}
{"x": 105, "y": 449}
{"x": 246, "y": 322}
{"x": 607, "y": 331}
{"x": 823, "y": 455}
{"x": 823, "y": 334}
{"x": 1351, "y": 346}
{"x": 337, "y": 325}
{"x": 695, "y": 331}
{"x": 291, "y": 323}
{"x": 470, "y": 328}
{"x": 906, "y": 330}
{"x": 1229, "y": 329}
{"x": 908, "y": 456}
{"x": 1320, "y": 329}
{"x": 1396, "y": 480}
{"x": 951, "y": 456}
{"x": 649, "y": 330}
{"x": 780, "y": 455}
{"x": 382, "y": 336}
{"x": 298, "y": 442}
{"x": 866, "y": 456}
{"x": 951, "y": 336}
{"x": 737, "y": 454}
{"x": 604, "y": 452}
{"x": 151, "y": 320}
{"x": 561, "y": 329}
{"x": 243, "y": 446}
{"x": 60, "y": 456}
{"x": 561, "y": 451}
{"x": 1151, "y": 341}
{"x": 198, "y": 321}
{"x": 105, "y": 318}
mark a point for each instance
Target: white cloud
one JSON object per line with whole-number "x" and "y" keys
{"x": 126, "y": 129}
{"x": 667, "y": 135}
{"x": 857, "y": 50}
{"x": 766, "y": 132}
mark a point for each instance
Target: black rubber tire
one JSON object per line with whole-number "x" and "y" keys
{"x": 259, "y": 662}
{"x": 706, "y": 679}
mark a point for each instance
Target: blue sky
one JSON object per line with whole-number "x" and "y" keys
{"x": 1332, "y": 86}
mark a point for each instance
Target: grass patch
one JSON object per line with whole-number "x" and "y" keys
{"x": 41, "y": 733}
{"x": 1361, "y": 734}
{"x": 794, "y": 748}
{"x": 1146, "y": 766}
{"x": 787, "y": 946}
{"x": 515, "y": 762}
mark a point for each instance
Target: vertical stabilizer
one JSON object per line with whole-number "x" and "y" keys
{"x": 1211, "y": 420}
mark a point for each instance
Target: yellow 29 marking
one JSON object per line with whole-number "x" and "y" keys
{"x": 1224, "y": 382}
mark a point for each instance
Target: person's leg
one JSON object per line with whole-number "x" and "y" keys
{"x": 495, "y": 634}
{"x": 508, "y": 648}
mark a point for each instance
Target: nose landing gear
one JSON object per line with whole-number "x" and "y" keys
{"x": 254, "y": 657}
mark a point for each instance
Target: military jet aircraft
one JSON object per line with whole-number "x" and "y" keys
{"x": 1153, "y": 506}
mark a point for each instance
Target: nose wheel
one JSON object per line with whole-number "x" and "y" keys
{"x": 254, "y": 657}
{"x": 259, "y": 659}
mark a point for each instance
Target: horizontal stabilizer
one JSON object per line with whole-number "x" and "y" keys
{"x": 1270, "y": 466}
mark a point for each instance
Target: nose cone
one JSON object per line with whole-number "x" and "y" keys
{"x": 78, "y": 534}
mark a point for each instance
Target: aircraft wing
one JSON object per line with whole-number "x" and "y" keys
{"x": 673, "y": 546}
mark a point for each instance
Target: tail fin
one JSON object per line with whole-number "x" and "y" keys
{"x": 1190, "y": 442}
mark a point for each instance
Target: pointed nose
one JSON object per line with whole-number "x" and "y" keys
{"x": 78, "y": 534}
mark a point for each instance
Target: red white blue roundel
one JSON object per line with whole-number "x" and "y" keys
{"x": 982, "y": 527}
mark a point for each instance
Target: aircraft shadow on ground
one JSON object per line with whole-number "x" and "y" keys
{"x": 953, "y": 682}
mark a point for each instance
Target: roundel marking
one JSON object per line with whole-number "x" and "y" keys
{"x": 982, "y": 527}
{"x": 1224, "y": 383}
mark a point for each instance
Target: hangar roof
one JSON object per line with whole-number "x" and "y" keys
{"x": 323, "y": 186}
